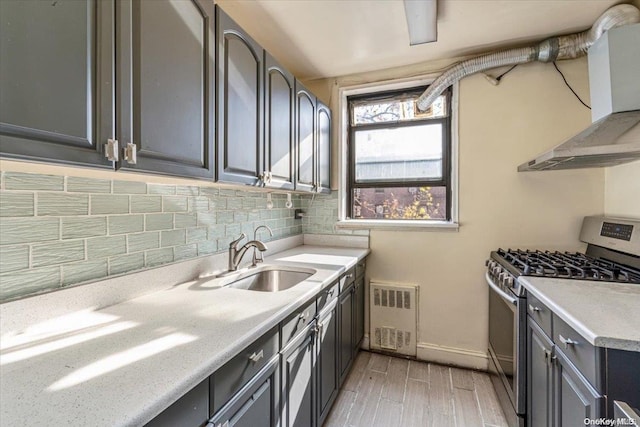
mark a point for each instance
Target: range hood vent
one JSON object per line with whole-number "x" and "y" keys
{"x": 614, "y": 136}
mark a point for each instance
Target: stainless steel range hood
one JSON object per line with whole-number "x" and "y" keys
{"x": 614, "y": 80}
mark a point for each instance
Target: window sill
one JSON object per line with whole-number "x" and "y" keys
{"x": 397, "y": 225}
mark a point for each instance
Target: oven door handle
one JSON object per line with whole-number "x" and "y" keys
{"x": 499, "y": 291}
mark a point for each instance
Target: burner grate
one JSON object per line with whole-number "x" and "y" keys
{"x": 569, "y": 265}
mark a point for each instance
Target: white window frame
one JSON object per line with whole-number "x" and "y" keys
{"x": 343, "y": 167}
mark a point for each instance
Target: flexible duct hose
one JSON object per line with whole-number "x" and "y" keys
{"x": 552, "y": 49}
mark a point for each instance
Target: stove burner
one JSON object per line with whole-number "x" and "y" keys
{"x": 569, "y": 265}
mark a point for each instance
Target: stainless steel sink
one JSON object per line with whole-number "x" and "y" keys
{"x": 271, "y": 279}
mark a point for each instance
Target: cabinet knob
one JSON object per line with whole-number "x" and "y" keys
{"x": 303, "y": 316}
{"x": 255, "y": 357}
{"x": 568, "y": 342}
{"x": 533, "y": 309}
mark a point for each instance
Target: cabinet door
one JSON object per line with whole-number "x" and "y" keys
{"x": 298, "y": 381}
{"x": 305, "y": 139}
{"x": 327, "y": 360}
{"x": 575, "y": 400}
{"x": 345, "y": 338}
{"x": 539, "y": 376}
{"x": 240, "y": 75}
{"x": 358, "y": 314}
{"x": 323, "y": 126}
{"x": 256, "y": 405}
{"x": 56, "y": 90}
{"x": 279, "y": 118}
{"x": 165, "y": 59}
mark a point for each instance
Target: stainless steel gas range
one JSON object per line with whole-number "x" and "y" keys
{"x": 612, "y": 255}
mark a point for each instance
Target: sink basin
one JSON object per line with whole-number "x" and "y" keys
{"x": 270, "y": 279}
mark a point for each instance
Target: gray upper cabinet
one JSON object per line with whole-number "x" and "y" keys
{"x": 323, "y": 125}
{"x": 279, "y": 119}
{"x": 165, "y": 86}
{"x": 305, "y": 139}
{"x": 57, "y": 85}
{"x": 240, "y": 76}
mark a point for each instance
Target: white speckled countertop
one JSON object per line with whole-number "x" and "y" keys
{"x": 606, "y": 314}
{"x": 123, "y": 364}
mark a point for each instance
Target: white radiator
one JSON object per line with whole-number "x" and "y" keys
{"x": 393, "y": 317}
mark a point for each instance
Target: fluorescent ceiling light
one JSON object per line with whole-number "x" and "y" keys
{"x": 421, "y": 20}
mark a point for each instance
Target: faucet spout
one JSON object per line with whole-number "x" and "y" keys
{"x": 257, "y": 256}
{"x": 240, "y": 252}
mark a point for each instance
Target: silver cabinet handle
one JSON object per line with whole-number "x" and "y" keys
{"x": 111, "y": 150}
{"x": 255, "y": 357}
{"x": 533, "y": 309}
{"x": 130, "y": 153}
{"x": 303, "y": 316}
{"x": 567, "y": 341}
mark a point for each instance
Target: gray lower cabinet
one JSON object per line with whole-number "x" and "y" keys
{"x": 345, "y": 329}
{"x": 358, "y": 320}
{"x": 558, "y": 393}
{"x": 256, "y": 405}
{"x": 327, "y": 363}
{"x": 165, "y": 90}
{"x": 574, "y": 398}
{"x": 298, "y": 396}
{"x": 240, "y": 79}
{"x": 539, "y": 377}
{"x": 57, "y": 86}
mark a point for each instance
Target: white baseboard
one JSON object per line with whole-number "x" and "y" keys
{"x": 365, "y": 343}
{"x": 452, "y": 356}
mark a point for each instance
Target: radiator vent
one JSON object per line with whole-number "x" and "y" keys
{"x": 393, "y": 317}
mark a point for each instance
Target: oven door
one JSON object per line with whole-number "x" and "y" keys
{"x": 507, "y": 337}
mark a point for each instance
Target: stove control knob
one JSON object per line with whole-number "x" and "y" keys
{"x": 510, "y": 282}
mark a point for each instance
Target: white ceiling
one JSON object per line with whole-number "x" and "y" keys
{"x": 328, "y": 38}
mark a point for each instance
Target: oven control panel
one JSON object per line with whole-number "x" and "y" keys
{"x": 616, "y": 231}
{"x": 618, "y": 234}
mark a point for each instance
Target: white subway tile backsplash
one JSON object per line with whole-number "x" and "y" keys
{"x": 58, "y": 231}
{"x": 75, "y": 227}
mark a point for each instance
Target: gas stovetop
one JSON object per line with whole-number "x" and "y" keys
{"x": 566, "y": 265}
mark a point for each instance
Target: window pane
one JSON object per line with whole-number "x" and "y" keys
{"x": 394, "y": 110}
{"x": 399, "y": 154}
{"x": 400, "y": 203}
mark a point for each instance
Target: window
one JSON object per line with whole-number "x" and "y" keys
{"x": 399, "y": 158}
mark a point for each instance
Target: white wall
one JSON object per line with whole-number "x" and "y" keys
{"x": 499, "y": 128}
{"x": 622, "y": 191}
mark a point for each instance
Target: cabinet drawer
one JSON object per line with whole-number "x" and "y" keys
{"x": 297, "y": 322}
{"x": 189, "y": 410}
{"x": 328, "y": 295}
{"x": 230, "y": 378}
{"x": 585, "y": 357}
{"x": 540, "y": 313}
{"x": 360, "y": 267}
{"x": 347, "y": 278}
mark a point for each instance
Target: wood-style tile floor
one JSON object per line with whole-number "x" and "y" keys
{"x": 384, "y": 391}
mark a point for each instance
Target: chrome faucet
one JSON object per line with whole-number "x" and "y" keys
{"x": 235, "y": 254}
{"x": 257, "y": 256}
